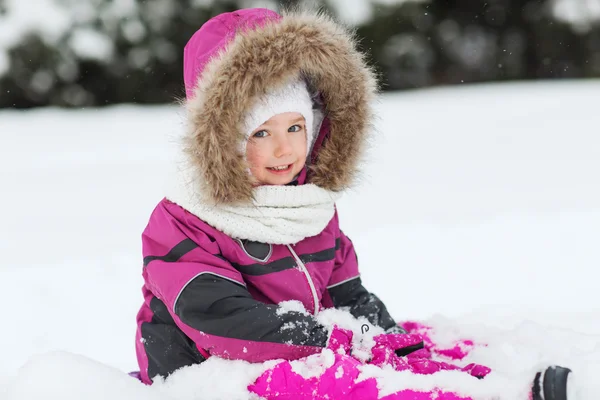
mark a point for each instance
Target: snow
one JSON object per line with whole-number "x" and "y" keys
{"x": 478, "y": 212}
{"x": 214, "y": 379}
{"x": 94, "y": 381}
{"x": 49, "y": 18}
{"x": 91, "y": 44}
{"x": 87, "y": 379}
{"x": 314, "y": 365}
{"x": 363, "y": 331}
{"x": 353, "y": 12}
{"x": 581, "y": 13}
{"x": 291, "y": 306}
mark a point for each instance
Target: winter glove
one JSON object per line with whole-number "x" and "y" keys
{"x": 390, "y": 347}
{"x": 340, "y": 340}
{"x": 400, "y": 344}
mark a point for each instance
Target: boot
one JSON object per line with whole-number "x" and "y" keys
{"x": 553, "y": 384}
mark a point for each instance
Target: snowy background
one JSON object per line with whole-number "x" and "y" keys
{"x": 478, "y": 212}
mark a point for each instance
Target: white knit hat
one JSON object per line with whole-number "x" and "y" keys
{"x": 292, "y": 96}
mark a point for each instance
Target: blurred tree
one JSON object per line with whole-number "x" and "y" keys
{"x": 118, "y": 51}
{"x": 592, "y": 52}
{"x": 30, "y": 79}
{"x": 415, "y": 44}
{"x": 399, "y": 43}
{"x": 111, "y": 54}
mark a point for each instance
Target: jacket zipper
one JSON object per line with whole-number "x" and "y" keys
{"x": 308, "y": 278}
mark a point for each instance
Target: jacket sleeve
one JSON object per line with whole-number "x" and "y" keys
{"x": 210, "y": 303}
{"x": 346, "y": 290}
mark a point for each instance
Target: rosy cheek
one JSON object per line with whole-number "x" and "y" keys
{"x": 255, "y": 156}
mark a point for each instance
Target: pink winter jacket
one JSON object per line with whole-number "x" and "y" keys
{"x": 206, "y": 293}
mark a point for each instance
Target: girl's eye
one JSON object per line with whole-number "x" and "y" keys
{"x": 295, "y": 128}
{"x": 260, "y": 134}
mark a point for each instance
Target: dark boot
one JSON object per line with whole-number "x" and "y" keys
{"x": 551, "y": 384}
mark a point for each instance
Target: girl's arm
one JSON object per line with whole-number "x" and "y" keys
{"x": 208, "y": 301}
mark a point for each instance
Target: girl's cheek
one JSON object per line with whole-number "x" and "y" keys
{"x": 258, "y": 154}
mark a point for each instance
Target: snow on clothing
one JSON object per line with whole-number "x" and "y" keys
{"x": 210, "y": 293}
{"x": 340, "y": 377}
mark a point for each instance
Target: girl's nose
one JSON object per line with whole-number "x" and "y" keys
{"x": 283, "y": 146}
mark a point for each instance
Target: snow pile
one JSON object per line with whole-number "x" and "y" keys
{"x": 214, "y": 379}
{"x": 515, "y": 356}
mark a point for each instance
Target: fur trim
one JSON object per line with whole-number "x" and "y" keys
{"x": 313, "y": 45}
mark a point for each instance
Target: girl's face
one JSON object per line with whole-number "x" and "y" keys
{"x": 276, "y": 150}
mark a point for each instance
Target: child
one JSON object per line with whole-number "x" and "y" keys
{"x": 278, "y": 112}
{"x": 251, "y": 221}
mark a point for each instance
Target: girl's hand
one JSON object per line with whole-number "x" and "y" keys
{"x": 390, "y": 348}
{"x": 340, "y": 340}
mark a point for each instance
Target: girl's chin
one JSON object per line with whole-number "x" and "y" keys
{"x": 277, "y": 179}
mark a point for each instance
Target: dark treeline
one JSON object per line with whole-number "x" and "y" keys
{"x": 411, "y": 44}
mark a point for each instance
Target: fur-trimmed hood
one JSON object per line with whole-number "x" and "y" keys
{"x": 234, "y": 57}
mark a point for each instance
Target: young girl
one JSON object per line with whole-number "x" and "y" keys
{"x": 278, "y": 114}
{"x": 251, "y": 220}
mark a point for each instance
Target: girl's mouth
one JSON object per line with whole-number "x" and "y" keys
{"x": 282, "y": 169}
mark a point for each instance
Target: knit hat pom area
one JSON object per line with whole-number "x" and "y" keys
{"x": 292, "y": 96}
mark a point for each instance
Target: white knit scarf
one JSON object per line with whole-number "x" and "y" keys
{"x": 278, "y": 214}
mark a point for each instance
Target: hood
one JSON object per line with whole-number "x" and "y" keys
{"x": 232, "y": 60}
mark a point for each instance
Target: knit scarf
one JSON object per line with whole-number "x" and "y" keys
{"x": 277, "y": 215}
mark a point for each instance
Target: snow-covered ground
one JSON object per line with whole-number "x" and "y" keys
{"x": 478, "y": 211}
